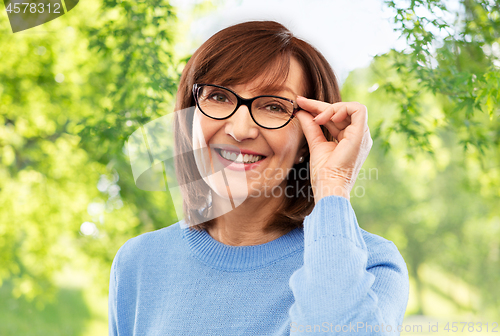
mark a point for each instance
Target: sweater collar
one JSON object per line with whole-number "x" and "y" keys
{"x": 239, "y": 258}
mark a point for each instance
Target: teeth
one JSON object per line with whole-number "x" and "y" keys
{"x": 239, "y": 158}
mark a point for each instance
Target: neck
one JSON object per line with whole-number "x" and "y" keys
{"x": 247, "y": 223}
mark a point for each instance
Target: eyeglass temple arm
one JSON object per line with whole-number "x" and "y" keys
{"x": 297, "y": 110}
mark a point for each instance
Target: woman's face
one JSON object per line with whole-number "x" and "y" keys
{"x": 276, "y": 150}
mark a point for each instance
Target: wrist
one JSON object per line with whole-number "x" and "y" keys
{"x": 330, "y": 189}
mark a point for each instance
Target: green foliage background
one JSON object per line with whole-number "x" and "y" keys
{"x": 74, "y": 89}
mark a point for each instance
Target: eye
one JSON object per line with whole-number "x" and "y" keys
{"x": 219, "y": 97}
{"x": 275, "y": 108}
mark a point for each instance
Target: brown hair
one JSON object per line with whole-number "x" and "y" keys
{"x": 237, "y": 55}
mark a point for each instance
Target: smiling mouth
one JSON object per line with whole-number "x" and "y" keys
{"x": 238, "y": 157}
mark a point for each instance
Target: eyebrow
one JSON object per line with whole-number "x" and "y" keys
{"x": 270, "y": 91}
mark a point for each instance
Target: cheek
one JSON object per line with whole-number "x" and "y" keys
{"x": 289, "y": 139}
{"x": 203, "y": 130}
{"x": 300, "y": 138}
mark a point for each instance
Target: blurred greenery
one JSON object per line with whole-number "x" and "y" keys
{"x": 74, "y": 89}
{"x": 454, "y": 56}
{"x": 66, "y": 316}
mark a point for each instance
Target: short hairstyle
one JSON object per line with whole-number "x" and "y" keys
{"x": 237, "y": 55}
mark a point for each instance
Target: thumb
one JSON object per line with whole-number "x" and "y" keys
{"x": 312, "y": 131}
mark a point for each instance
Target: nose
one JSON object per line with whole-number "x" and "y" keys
{"x": 241, "y": 125}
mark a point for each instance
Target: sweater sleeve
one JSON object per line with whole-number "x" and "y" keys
{"x": 112, "y": 311}
{"x": 337, "y": 290}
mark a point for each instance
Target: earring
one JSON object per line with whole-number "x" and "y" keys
{"x": 301, "y": 159}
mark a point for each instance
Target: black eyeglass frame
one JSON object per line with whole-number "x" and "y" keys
{"x": 243, "y": 101}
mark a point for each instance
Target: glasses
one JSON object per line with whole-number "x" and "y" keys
{"x": 218, "y": 102}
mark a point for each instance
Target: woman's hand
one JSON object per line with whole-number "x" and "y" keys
{"x": 335, "y": 164}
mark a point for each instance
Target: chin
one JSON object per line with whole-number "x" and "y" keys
{"x": 229, "y": 187}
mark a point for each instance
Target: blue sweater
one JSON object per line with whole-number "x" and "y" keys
{"x": 331, "y": 277}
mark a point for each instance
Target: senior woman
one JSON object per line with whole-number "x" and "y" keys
{"x": 281, "y": 253}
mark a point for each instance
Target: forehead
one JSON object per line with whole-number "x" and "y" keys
{"x": 277, "y": 80}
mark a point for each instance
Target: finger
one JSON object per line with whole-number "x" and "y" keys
{"x": 326, "y": 110}
{"x": 341, "y": 135}
{"x": 332, "y": 128}
{"x": 343, "y": 123}
{"x": 366, "y": 137}
{"x": 312, "y": 131}
{"x": 340, "y": 111}
{"x": 312, "y": 105}
{"x": 340, "y": 120}
{"x": 319, "y": 106}
{"x": 336, "y": 111}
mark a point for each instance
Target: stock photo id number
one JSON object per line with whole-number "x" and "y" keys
{"x": 25, "y": 14}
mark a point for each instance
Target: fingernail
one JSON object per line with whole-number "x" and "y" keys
{"x": 316, "y": 117}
